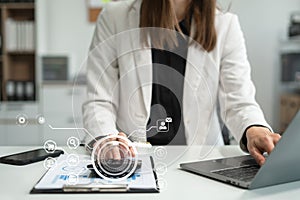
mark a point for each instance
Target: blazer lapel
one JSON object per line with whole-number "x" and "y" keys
{"x": 195, "y": 78}
{"x": 194, "y": 63}
{"x": 142, "y": 56}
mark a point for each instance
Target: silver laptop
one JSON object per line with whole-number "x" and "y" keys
{"x": 281, "y": 166}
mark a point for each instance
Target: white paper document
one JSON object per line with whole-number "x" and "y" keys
{"x": 64, "y": 173}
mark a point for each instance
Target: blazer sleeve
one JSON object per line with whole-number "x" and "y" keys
{"x": 99, "y": 111}
{"x": 238, "y": 107}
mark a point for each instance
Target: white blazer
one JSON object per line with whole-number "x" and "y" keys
{"x": 119, "y": 73}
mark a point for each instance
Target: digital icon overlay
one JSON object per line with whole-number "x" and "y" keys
{"x": 50, "y": 146}
{"x": 22, "y": 120}
{"x": 73, "y": 142}
{"x": 162, "y": 125}
{"x": 161, "y": 168}
{"x": 41, "y": 119}
{"x": 49, "y": 162}
{"x": 73, "y": 160}
{"x": 72, "y": 179}
{"x": 104, "y": 165}
{"x": 160, "y": 153}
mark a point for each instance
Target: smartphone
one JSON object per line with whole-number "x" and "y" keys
{"x": 29, "y": 157}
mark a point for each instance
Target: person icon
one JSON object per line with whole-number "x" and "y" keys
{"x": 162, "y": 126}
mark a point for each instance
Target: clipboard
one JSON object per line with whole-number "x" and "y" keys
{"x": 96, "y": 188}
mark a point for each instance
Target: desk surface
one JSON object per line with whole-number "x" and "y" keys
{"x": 16, "y": 181}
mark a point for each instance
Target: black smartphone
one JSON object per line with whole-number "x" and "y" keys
{"x": 29, "y": 157}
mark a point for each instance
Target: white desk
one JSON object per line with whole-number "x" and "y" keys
{"x": 16, "y": 182}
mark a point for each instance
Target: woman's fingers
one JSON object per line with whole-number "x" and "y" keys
{"x": 122, "y": 134}
{"x": 276, "y": 137}
{"x": 118, "y": 147}
{"x": 261, "y": 140}
{"x": 126, "y": 143}
{"x": 108, "y": 155}
{"x": 257, "y": 155}
{"x": 132, "y": 151}
{"x": 116, "y": 153}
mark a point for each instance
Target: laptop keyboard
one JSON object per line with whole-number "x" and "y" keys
{"x": 243, "y": 173}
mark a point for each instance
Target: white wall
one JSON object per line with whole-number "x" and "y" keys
{"x": 265, "y": 24}
{"x": 64, "y": 29}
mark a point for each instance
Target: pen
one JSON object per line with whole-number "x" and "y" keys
{"x": 145, "y": 145}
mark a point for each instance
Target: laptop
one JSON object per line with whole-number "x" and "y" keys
{"x": 281, "y": 166}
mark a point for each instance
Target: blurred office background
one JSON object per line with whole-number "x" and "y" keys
{"x": 45, "y": 42}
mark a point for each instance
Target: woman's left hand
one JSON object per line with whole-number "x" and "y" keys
{"x": 260, "y": 140}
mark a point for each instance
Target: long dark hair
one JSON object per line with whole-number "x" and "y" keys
{"x": 161, "y": 13}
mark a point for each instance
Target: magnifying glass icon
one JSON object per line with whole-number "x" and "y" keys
{"x": 73, "y": 142}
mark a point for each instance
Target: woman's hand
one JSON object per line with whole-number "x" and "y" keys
{"x": 260, "y": 140}
{"x": 120, "y": 149}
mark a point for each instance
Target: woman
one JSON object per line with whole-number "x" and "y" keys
{"x": 139, "y": 77}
